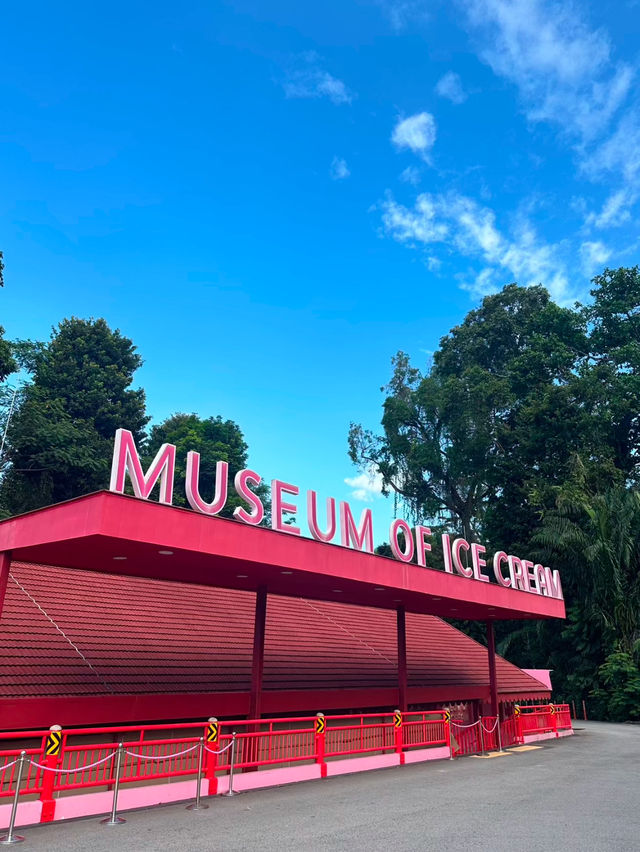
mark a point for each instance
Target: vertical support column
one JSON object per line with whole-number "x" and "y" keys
{"x": 257, "y": 665}
{"x": 402, "y": 659}
{"x": 251, "y": 746}
{"x": 493, "y": 681}
{"x": 5, "y": 567}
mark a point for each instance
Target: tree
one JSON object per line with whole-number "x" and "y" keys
{"x": 494, "y": 417}
{"x": 216, "y": 440}
{"x": 611, "y": 374}
{"x": 60, "y": 439}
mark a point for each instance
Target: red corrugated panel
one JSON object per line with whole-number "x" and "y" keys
{"x": 70, "y": 632}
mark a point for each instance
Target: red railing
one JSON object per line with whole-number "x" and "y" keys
{"x": 86, "y": 758}
{"x": 543, "y": 718}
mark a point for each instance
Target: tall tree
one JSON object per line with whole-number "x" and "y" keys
{"x": 60, "y": 439}
{"x": 611, "y": 374}
{"x": 493, "y": 416}
{"x": 216, "y": 440}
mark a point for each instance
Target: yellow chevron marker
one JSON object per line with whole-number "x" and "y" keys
{"x": 54, "y": 744}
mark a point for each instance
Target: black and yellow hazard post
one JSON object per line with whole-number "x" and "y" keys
{"x": 212, "y": 737}
{"x": 518, "y": 718}
{"x": 52, "y": 751}
{"x": 398, "y": 732}
{"x": 320, "y": 731}
{"x": 554, "y": 718}
{"x": 446, "y": 719}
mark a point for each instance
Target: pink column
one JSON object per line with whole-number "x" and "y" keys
{"x": 402, "y": 659}
{"x": 5, "y": 567}
{"x": 257, "y": 665}
{"x": 493, "y": 681}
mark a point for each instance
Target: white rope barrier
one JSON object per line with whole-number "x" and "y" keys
{"x": 73, "y": 768}
{"x": 489, "y": 730}
{"x": 161, "y": 757}
{"x": 9, "y": 765}
{"x": 222, "y": 750}
{"x": 459, "y": 725}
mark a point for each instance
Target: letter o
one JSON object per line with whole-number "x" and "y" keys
{"x": 405, "y": 555}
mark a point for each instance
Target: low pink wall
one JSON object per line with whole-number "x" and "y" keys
{"x": 549, "y": 735}
{"x": 439, "y": 753}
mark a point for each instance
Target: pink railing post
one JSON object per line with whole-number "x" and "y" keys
{"x": 398, "y": 731}
{"x": 212, "y": 738}
{"x": 320, "y": 740}
{"x": 51, "y": 753}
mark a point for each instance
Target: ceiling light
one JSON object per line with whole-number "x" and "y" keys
{"x": 119, "y": 558}
{"x": 286, "y": 572}
{"x": 165, "y": 552}
{"x": 378, "y": 589}
{"x": 336, "y": 590}
{"x": 242, "y": 576}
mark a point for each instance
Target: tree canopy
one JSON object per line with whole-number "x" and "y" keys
{"x": 525, "y": 431}
{"x": 216, "y": 440}
{"x": 60, "y": 438}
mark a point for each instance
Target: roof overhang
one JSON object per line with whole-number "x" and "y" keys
{"x": 116, "y": 534}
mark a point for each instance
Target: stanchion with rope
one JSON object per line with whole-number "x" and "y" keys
{"x": 481, "y": 734}
{"x": 9, "y": 838}
{"x": 198, "y": 805}
{"x": 231, "y": 791}
{"x": 114, "y": 819}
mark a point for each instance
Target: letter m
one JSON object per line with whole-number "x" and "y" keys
{"x": 126, "y": 461}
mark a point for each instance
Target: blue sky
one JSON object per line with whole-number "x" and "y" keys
{"x": 271, "y": 198}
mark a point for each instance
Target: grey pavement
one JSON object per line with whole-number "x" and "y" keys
{"x": 577, "y": 793}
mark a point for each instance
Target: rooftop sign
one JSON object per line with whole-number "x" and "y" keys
{"x": 407, "y": 544}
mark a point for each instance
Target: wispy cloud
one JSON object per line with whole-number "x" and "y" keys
{"x": 308, "y": 79}
{"x": 461, "y": 224}
{"x": 403, "y": 12}
{"x": 564, "y": 70}
{"x": 417, "y": 133}
{"x": 367, "y": 486}
{"x": 616, "y": 210}
{"x": 450, "y": 87}
{"x": 339, "y": 169}
{"x": 410, "y": 175}
{"x": 594, "y": 255}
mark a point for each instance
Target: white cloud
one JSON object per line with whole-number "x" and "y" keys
{"x": 620, "y": 154}
{"x": 417, "y": 133}
{"x": 450, "y": 86}
{"x": 309, "y": 80}
{"x": 615, "y": 210}
{"x": 470, "y": 229}
{"x": 403, "y": 12}
{"x": 339, "y": 169}
{"x": 367, "y": 486}
{"x": 410, "y": 175}
{"x": 563, "y": 69}
{"x": 594, "y": 255}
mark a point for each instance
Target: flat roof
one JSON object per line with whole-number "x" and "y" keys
{"x": 116, "y": 534}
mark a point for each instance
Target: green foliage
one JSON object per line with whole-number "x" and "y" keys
{"x": 60, "y": 439}
{"x": 494, "y": 417}
{"x": 525, "y": 432}
{"x": 619, "y": 689}
{"x": 216, "y": 440}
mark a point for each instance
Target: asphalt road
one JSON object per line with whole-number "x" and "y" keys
{"x": 580, "y": 793}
